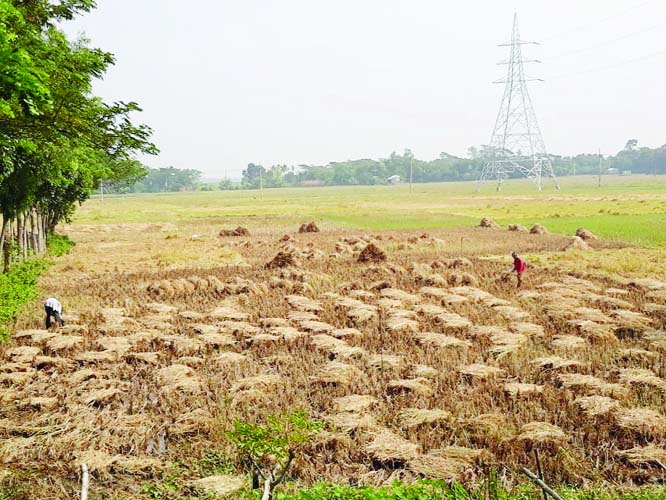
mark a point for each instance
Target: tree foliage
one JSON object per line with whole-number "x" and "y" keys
{"x": 58, "y": 141}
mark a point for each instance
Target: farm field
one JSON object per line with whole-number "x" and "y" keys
{"x": 424, "y": 364}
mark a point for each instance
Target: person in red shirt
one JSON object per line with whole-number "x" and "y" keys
{"x": 519, "y": 267}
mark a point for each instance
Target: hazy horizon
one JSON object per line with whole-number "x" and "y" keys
{"x": 224, "y": 84}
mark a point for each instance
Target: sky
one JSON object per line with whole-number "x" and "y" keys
{"x": 224, "y": 83}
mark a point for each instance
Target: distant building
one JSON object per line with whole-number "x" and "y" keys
{"x": 612, "y": 171}
{"x": 394, "y": 179}
{"x": 626, "y": 172}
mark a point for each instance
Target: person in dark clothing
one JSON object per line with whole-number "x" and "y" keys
{"x": 519, "y": 267}
{"x": 53, "y": 309}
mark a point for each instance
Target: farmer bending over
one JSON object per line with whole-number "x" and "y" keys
{"x": 53, "y": 307}
{"x": 518, "y": 267}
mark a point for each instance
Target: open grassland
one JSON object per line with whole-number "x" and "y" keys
{"x": 427, "y": 364}
{"x": 629, "y": 208}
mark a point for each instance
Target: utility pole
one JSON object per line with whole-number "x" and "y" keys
{"x": 600, "y": 158}
{"x": 261, "y": 181}
{"x": 517, "y": 144}
{"x": 411, "y": 172}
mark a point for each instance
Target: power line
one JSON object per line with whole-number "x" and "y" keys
{"x": 608, "y": 42}
{"x": 598, "y": 21}
{"x": 612, "y": 66}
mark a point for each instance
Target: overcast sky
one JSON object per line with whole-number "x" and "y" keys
{"x": 224, "y": 83}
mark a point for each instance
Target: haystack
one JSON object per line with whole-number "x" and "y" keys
{"x": 538, "y": 229}
{"x": 309, "y": 227}
{"x": 517, "y": 228}
{"x": 487, "y": 222}
{"x": 372, "y": 253}
{"x": 414, "y": 417}
{"x": 387, "y": 446}
{"x": 282, "y": 259}
{"x": 597, "y": 405}
{"x": 577, "y": 243}
{"x": 541, "y": 433}
{"x": 584, "y": 234}
{"x": 239, "y": 231}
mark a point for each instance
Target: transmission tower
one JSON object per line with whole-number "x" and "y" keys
{"x": 516, "y": 144}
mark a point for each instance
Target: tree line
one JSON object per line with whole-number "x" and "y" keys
{"x": 58, "y": 141}
{"x": 445, "y": 168}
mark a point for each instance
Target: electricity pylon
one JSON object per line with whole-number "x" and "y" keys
{"x": 516, "y": 144}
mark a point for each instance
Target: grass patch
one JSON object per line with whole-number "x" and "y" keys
{"x": 19, "y": 286}
{"x": 631, "y": 208}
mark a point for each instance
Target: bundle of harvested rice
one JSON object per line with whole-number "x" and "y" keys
{"x": 64, "y": 342}
{"x": 354, "y": 403}
{"x": 488, "y": 223}
{"x": 387, "y": 446}
{"x": 645, "y": 455}
{"x": 538, "y": 229}
{"x": 480, "y": 371}
{"x": 453, "y": 321}
{"x": 23, "y": 354}
{"x": 338, "y": 348}
{"x": 425, "y": 371}
{"x": 414, "y": 417}
{"x": 588, "y": 383}
{"x": 541, "y": 433}
{"x": 400, "y": 324}
{"x": 462, "y": 279}
{"x": 584, "y": 234}
{"x": 178, "y": 378}
{"x": 556, "y": 363}
{"x": 434, "y": 466}
{"x": 577, "y": 243}
{"x": 224, "y": 312}
{"x": 595, "y": 332}
{"x": 309, "y": 227}
{"x": 639, "y": 376}
{"x": 282, "y": 259}
{"x": 597, "y": 405}
{"x": 440, "y": 340}
{"x": 315, "y": 326}
{"x": 336, "y": 373}
{"x": 101, "y": 397}
{"x": 568, "y": 342}
{"x": 220, "y": 485}
{"x": 521, "y": 389}
{"x": 527, "y": 329}
{"x": 239, "y": 231}
{"x": 518, "y": 228}
{"x": 511, "y": 313}
{"x": 385, "y": 361}
{"x": 301, "y": 303}
{"x": 415, "y": 385}
{"x": 349, "y": 421}
{"x": 641, "y": 421}
{"x": 372, "y": 253}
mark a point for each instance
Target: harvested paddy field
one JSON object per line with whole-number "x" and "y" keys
{"x": 420, "y": 360}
